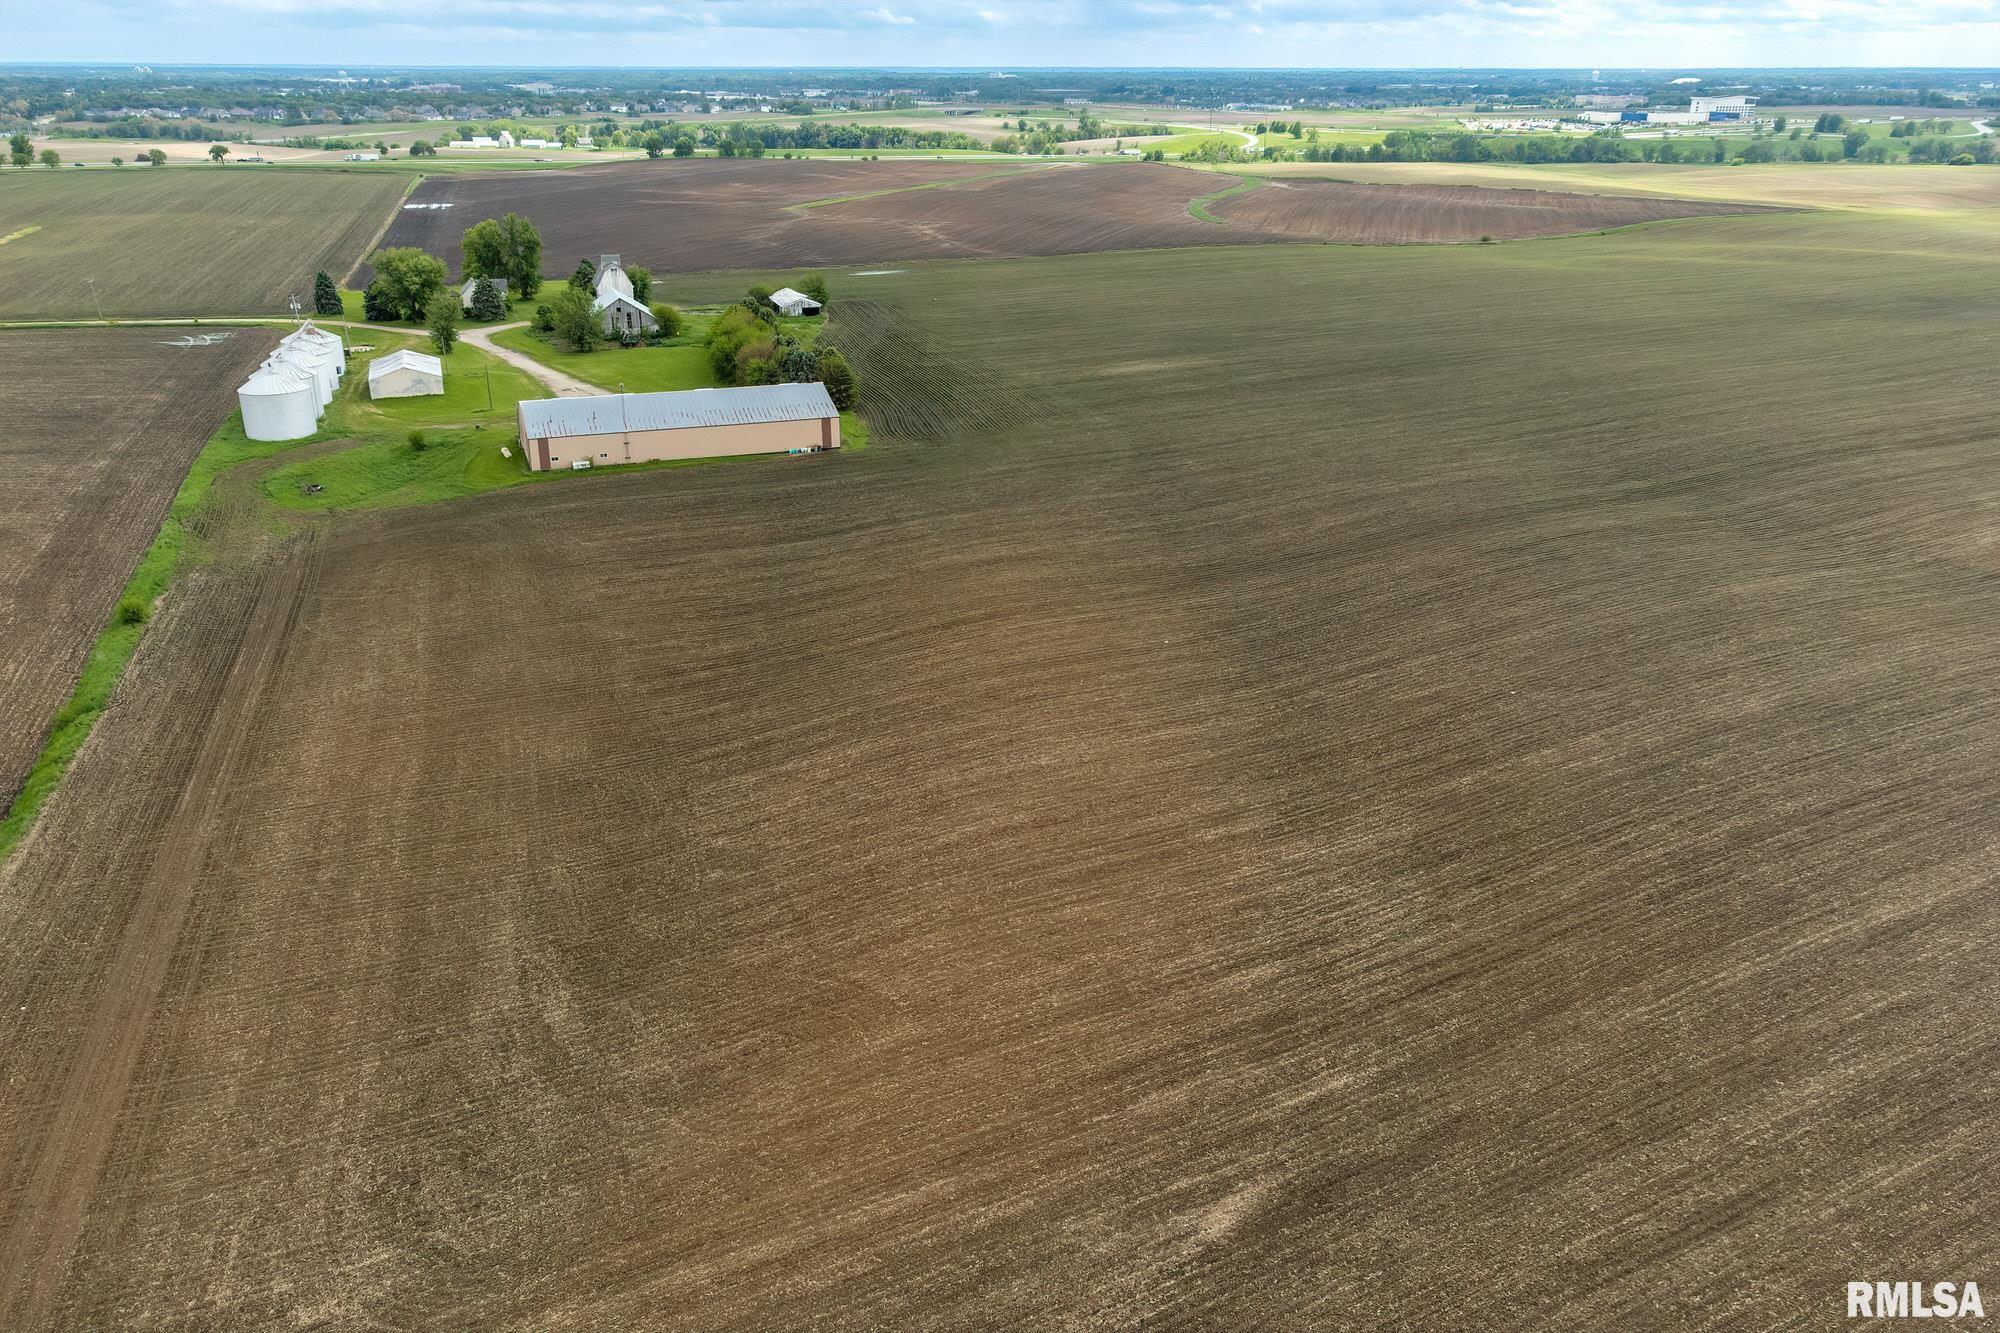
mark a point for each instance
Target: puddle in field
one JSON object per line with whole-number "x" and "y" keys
{"x": 877, "y": 272}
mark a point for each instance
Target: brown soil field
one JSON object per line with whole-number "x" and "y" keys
{"x": 712, "y": 214}
{"x": 705, "y": 213}
{"x": 1405, "y": 214}
{"x": 181, "y": 241}
{"x": 1426, "y": 830}
{"x": 97, "y": 428}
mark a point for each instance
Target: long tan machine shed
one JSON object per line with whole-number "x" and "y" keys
{"x": 607, "y": 429}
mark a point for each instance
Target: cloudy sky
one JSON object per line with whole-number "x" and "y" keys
{"x": 993, "y": 33}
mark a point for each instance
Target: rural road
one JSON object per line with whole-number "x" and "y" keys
{"x": 563, "y": 386}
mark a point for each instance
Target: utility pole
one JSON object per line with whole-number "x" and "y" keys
{"x": 489, "y": 388}
{"x": 94, "y": 303}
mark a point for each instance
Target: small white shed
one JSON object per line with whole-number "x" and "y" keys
{"x": 405, "y": 374}
{"x": 279, "y": 402}
{"x": 789, "y": 302}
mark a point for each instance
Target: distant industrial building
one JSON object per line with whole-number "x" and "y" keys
{"x": 1722, "y": 108}
{"x": 605, "y": 430}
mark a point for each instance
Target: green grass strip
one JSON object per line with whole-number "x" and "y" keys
{"x": 120, "y": 637}
{"x": 1198, "y": 208}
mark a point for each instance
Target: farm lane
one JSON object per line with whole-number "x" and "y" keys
{"x": 563, "y": 386}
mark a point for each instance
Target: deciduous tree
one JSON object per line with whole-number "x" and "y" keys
{"x": 441, "y": 316}
{"x": 838, "y": 376}
{"x": 506, "y": 247}
{"x": 408, "y": 278}
{"x": 576, "y": 323}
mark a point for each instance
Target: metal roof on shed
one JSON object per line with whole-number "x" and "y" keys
{"x": 403, "y": 358}
{"x": 616, "y": 413}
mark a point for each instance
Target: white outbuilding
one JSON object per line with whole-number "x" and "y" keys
{"x": 790, "y": 302}
{"x": 279, "y": 402}
{"x": 405, "y": 374}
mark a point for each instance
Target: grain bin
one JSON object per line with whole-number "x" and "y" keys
{"x": 318, "y": 337}
{"x": 316, "y": 361}
{"x": 280, "y": 402}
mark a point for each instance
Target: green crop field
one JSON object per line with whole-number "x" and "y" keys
{"x": 183, "y": 240}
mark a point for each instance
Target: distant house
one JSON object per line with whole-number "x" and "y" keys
{"x": 405, "y": 374}
{"x": 478, "y": 141}
{"x": 789, "y": 302}
{"x": 359, "y": 157}
{"x": 615, "y": 304}
{"x": 465, "y": 290}
{"x": 506, "y": 138}
{"x": 537, "y": 143}
{"x": 606, "y": 429}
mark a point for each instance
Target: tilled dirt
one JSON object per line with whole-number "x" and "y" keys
{"x": 1442, "y": 214}
{"x": 1291, "y": 822}
{"x": 685, "y": 217}
{"x": 97, "y": 428}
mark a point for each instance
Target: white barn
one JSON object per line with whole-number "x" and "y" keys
{"x": 790, "y": 302}
{"x": 279, "y": 402}
{"x": 615, "y": 303}
{"x": 405, "y": 374}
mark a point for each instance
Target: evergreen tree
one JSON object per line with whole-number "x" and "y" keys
{"x": 326, "y": 297}
{"x": 378, "y": 306}
{"x": 585, "y": 277}
{"x": 487, "y": 303}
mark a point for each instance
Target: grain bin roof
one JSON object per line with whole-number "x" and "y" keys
{"x": 403, "y": 358}
{"x": 277, "y": 378}
{"x": 616, "y": 413}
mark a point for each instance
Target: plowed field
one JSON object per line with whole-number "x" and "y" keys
{"x": 181, "y": 241}
{"x": 1475, "y": 813}
{"x": 97, "y": 428}
{"x": 1406, "y": 214}
{"x": 706, "y": 214}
